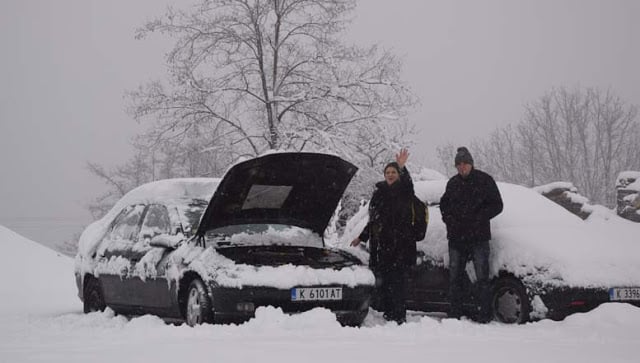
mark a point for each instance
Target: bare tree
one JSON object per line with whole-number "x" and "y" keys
{"x": 270, "y": 74}
{"x": 445, "y": 154}
{"x": 119, "y": 180}
{"x": 191, "y": 155}
{"x": 246, "y": 76}
{"x": 583, "y": 136}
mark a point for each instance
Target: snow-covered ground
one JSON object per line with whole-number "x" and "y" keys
{"x": 41, "y": 320}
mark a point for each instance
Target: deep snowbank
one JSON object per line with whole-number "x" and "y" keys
{"x": 607, "y": 334}
{"x": 32, "y": 275}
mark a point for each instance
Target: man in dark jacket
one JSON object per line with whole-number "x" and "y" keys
{"x": 468, "y": 204}
{"x": 392, "y": 244}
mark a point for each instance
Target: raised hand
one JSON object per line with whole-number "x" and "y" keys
{"x": 402, "y": 156}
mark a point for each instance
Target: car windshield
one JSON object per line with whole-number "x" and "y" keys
{"x": 263, "y": 235}
{"x": 189, "y": 214}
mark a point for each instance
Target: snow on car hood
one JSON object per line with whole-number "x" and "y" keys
{"x": 213, "y": 266}
{"x": 263, "y": 235}
{"x": 539, "y": 240}
{"x": 223, "y": 271}
{"x": 168, "y": 191}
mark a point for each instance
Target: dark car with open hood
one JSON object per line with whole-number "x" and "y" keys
{"x": 164, "y": 250}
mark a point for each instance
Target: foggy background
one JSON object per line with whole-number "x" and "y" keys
{"x": 66, "y": 64}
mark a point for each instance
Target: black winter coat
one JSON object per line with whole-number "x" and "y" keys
{"x": 468, "y": 204}
{"x": 392, "y": 244}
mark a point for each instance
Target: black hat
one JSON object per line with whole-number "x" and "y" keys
{"x": 393, "y": 164}
{"x": 463, "y": 156}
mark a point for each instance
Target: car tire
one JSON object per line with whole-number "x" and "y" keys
{"x": 198, "y": 304}
{"x": 354, "y": 320}
{"x": 509, "y": 301}
{"x": 93, "y": 296}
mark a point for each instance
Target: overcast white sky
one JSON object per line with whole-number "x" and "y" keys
{"x": 65, "y": 66}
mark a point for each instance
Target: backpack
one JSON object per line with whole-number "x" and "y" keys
{"x": 419, "y": 218}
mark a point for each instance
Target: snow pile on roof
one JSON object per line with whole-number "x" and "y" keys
{"x": 548, "y": 188}
{"x": 167, "y": 191}
{"x": 635, "y": 185}
{"x": 536, "y": 236}
{"x": 629, "y": 180}
{"x": 566, "y": 195}
{"x": 597, "y": 211}
{"x": 566, "y": 188}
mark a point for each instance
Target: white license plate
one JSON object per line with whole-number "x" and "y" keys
{"x": 624, "y": 294}
{"x": 316, "y": 293}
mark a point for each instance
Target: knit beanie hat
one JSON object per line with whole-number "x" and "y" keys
{"x": 394, "y": 165}
{"x": 463, "y": 156}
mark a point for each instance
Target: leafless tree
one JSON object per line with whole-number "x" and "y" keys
{"x": 445, "y": 154}
{"x": 119, "y": 180}
{"x": 270, "y": 74}
{"x": 583, "y": 136}
{"x": 246, "y": 76}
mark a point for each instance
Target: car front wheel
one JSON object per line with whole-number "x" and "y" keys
{"x": 509, "y": 301}
{"x": 93, "y": 298}
{"x": 354, "y": 319}
{"x": 198, "y": 309}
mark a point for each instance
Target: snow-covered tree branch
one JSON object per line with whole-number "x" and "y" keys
{"x": 247, "y": 76}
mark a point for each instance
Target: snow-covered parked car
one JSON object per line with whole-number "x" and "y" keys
{"x": 545, "y": 261}
{"x": 164, "y": 250}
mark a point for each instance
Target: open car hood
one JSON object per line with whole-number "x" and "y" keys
{"x": 298, "y": 189}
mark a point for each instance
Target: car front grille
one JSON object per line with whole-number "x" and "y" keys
{"x": 227, "y": 300}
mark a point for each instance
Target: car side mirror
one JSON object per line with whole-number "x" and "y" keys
{"x": 166, "y": 241}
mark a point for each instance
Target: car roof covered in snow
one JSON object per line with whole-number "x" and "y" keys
{"x": 168, "y": 191}
{"x": 534, "y": 236}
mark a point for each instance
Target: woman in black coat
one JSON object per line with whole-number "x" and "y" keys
{"x": 392, "y": 245}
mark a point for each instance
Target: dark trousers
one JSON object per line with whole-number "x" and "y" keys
{"x": 392, "y": 291}
{"x": 459, "y": 255}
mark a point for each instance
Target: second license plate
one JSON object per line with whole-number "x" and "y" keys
{"x": 626, "y": 293}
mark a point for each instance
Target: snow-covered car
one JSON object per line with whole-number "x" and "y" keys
{"x": 545, "y": 261}
{"x": 164, "y": 250}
